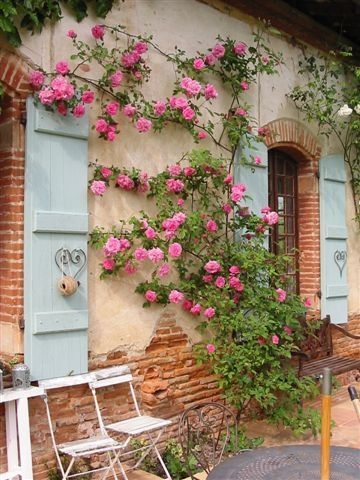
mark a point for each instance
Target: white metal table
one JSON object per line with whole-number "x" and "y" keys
{"x": 18, "y": 432}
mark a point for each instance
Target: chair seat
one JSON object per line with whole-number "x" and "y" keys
{"x": 88, "y": 446}
{"x": 137, "y": 425}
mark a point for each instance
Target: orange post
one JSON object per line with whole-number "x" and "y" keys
{"x": 325, "y": 424}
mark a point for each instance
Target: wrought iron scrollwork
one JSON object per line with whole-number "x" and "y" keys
{"x": 64, "y": 259}
{"x": 340, "y": 258}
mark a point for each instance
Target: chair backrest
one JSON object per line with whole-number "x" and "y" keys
{"x": 204, "y": 431}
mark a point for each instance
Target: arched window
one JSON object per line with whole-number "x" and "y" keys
{"x": 283, "y": 199}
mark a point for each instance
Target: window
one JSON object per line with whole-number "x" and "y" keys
{"x": 283, "y": 199}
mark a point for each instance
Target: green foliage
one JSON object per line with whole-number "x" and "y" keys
{"x": 80, "y": 466}
{"x": 33, "y": 14}
{"x": 322, "y": 98}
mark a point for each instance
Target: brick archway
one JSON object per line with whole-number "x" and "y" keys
{"x": 13, "y": 77}
{"x": 294, "y": 138}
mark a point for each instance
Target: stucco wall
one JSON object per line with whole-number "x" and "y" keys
{"x": 116, "y": 315}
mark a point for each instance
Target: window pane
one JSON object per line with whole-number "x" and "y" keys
{"x": 289, "y": 206}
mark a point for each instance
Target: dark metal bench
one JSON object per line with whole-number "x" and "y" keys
{"x": 316, "y": 351}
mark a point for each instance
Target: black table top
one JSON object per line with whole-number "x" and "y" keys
{"x": 291, "y": 462}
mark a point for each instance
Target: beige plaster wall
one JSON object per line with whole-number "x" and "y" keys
{"x": 116, "y": 315}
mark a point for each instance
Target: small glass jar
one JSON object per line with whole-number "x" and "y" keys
{"x": 21, "y": 376}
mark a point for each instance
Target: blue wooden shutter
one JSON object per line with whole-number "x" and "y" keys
{"x": 334, "y": 289}
{"x": 254, "y": 176}
{"x": 55, "y": 217}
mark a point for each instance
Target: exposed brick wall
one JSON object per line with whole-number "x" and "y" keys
{"x": 167, "y": 379}
{"x": 291, "y": 136}
{"x": 12, "y": 76}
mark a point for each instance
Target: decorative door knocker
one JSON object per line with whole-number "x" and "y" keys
{"x": 64, "y": 259}
{"x": 340, "y": 258}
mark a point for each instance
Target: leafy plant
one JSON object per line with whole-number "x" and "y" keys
{"x": 32, "y": 15}
{"x": 334, "y": 105}
{"x": 80, "y": 466}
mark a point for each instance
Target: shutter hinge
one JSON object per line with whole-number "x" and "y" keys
{"x": 319, "y": 294}
{"x": 21, "y": 323}
{"x": 317, "y": 173}
{"x": 23, "y": 119}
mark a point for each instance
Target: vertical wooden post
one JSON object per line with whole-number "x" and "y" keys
{"x": 325, "y": 424}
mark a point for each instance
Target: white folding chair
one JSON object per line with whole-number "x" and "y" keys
{"x": 138, "y": 424}
{"x": 85, "y": 447}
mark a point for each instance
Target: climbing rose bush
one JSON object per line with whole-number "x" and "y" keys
{"x": 236, "y": 292}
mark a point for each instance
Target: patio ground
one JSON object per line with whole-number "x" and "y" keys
{"x": 346, "y": 433}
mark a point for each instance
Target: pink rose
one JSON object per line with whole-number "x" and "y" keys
{"x": 178, "y": 102}
{"x": 202, "y": 135}
{"x": 124, "y": 244}
{"x": 112, "y": 246}
{"x": 261, "y": 341}
{"x": 106, "y": 172}
{"x": 188, "y": 113}
{"x": 164, "y": 270}
{"x": 88, "y": 96}
{"x": 210, "y": 348}
{"x": 210, "y": 59}
{"x": 159, "y": 108}
{"x": 198, "y": 64}
{"x": 108, "y": 264}
{"x": 150, "y": 233}
{"x": 61, "y": 108}
{"x": 241, "y": 112}
{"x": 265, "y": 210}
{"x": 287, "y": 330}
{"x": 63, "y": 89}
{"x": 155, "y": 254}
{"x": 140, "y": 47}
{"x": 258, "y": 160}
{"x": 125, "y": 182}
{"x": 189, "y": 171}
{"x": 275, "y": 339}
{"x": 281, "y": 295}
{"x": 175, "y": 250}
{"x": 265, "y": 60}
{"x": 180, "y": 202}
{"x": 244, "y": 86}
{"x": 71, "y": 34}
{"x": 129, "y": 59}
{"x": 143, "y": 125}
{"x": 174, "y": 170}
{"x": 116, "y": 78}
{"x": 112, "y": 108}
{"x": 187, "y": 305}
{"x": 175, "y": 186}
{"x": 101, "y": 125}
{"x": 212, "y": 266}
{"x": 228, "y": 179}
{"x": 62, "y": 67}
{"x": 210, "y": 91}
{"x": 237, "y": 192}
{"x": 220, "y": 282}
{"x": 307, "y": 302}
{"x": 192, "y": 87}
{"x": 129, "y": 110}
{"x": 36, "y": 79}
{"x": 234, "y": 270}
{"x": 141, "y": 254}
{"x": 175, "y": 296}
{"x": 207, "y": 278}
{"x": 271, "y": 218}
{"x": 47, "y": 96}
{"x": 240, "y": 48}
{"x": 110, "y": 135}
{"x": 98, "y": 32}
{"x": 218, "y": 50}
{"x": 209, "y": 312}
{"x": 79, "y": 110}
{"x": 98, "y": 187}
{"x": 151, "y": 296}
{"x": 211, "y": 226}
{"x": 227, "y": 208}
{"x": 236, "y": 284}
{"x": 195, "y": 309}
